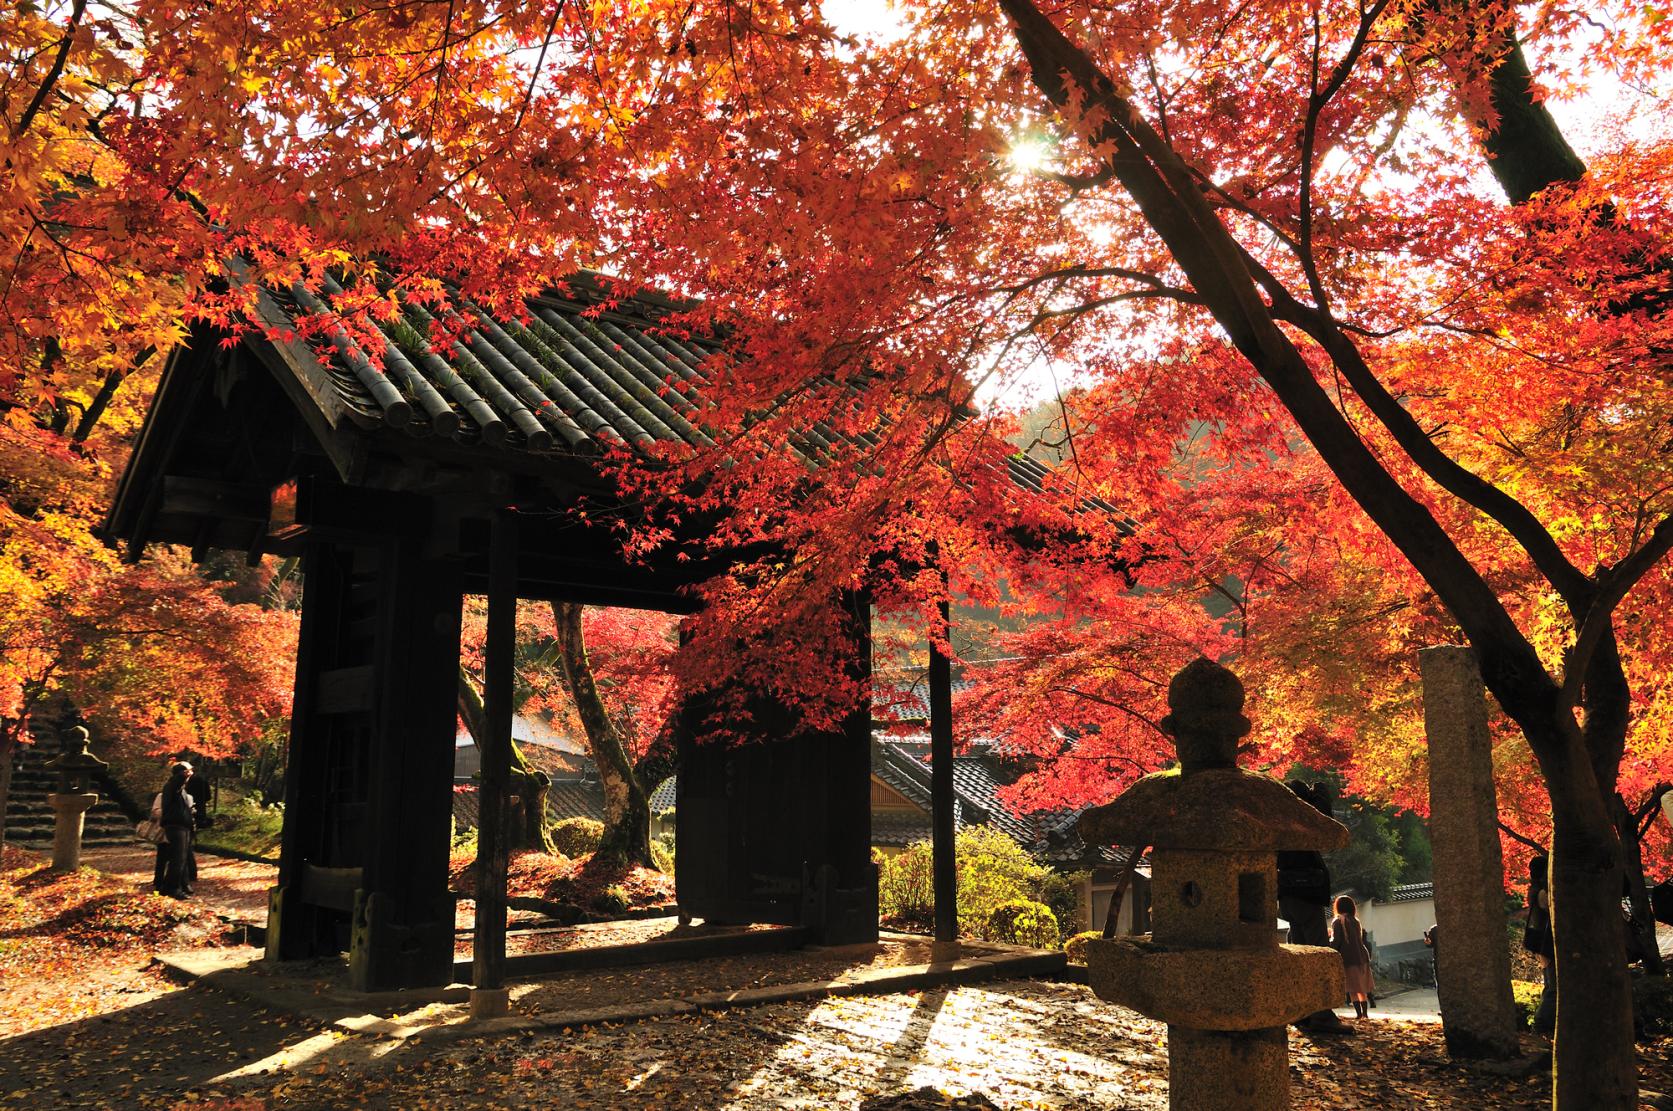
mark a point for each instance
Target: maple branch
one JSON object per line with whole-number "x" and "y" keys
{"x": 1613, "y": 586}
{"x": 1646, "y": 815}
{"x": 53, "y": 73}
{"x": 1525, "y": 149}
{"x": 1155, "y": 176}
{"x": 107, "y": 391}
{"x": 1112, "y": 704}
{"x": 1316, "y": 101}
{"x": 534, "y": 77}
{"x": 1452, "y": 476}
{"x": 1528, "y": 841}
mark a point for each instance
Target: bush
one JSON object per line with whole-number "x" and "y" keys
{"x": 613, "y": 899}
{"x": 1061, "y": 892}
{"x": 1023, "y": 922}
{"x": 577, "y": 836}
{"x": 1652, "y": 1007}
{"x": 1075, "y": 947}
{"x": 662, "y": 858}
{"x": 905, "y": 891}
{"x": 1526, "y": 995}
{"x": 992, "y": 870}
{"x": 243, "y": 825}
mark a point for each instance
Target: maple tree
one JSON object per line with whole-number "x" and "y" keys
{"x": 1415, "y": 411}
{"x": 604, "y": 675}
{"x": 158, "y": 658}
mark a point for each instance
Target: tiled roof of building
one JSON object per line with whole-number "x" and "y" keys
{"x": 585, "y": 372}
{"x": 978, "y": 774}
{"x": 1411, "y": 893}
{"x": 590, "y": 370}
{"x": 662, "y": 799}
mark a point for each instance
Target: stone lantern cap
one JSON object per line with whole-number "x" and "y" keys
{"x": 74, "y": 763}
{"x": 1208, "y": 802}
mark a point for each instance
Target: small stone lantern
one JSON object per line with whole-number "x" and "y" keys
{"x": 74, "y": 798}
{"x": 1213, "y": 968}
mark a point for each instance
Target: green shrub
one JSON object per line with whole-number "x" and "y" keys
{"x": 1061, "y": 892}
{"x": 1075, "y": 947}
{"x": 662, "y": 858}
{"x": 577, "y": 836}
{"x": 1023, "y": 922}
{"x": 464, "y": 841}
{"x": 992, "y": 870}
{"x": 245, "y": 826}
{"x": 613, "y": 899}
{"x": 905, "y": 891}
{"x": 1526, "y": 996}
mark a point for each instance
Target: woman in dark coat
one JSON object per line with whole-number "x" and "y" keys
{"x": 1347, "y": 937}
{"x": 175, "y": 813}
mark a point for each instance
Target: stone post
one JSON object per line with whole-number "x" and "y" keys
{"x": 1472, "y": 953}
{"x": 74, "y": 766}
{"x": 69, "y": 817}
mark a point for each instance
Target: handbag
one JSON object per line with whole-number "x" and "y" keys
{"x": 150, "y": 830}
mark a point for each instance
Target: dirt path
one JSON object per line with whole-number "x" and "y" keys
{"x": 234, "y": 888}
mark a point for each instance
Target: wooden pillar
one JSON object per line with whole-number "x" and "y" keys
{"x": 945, "y": 867}
{"x": 402, "y": 924}
{"x": 295, "y": 929}
{"x": 489, "y": 997}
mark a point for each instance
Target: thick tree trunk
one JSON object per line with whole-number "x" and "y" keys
{"x": 627, "y": 808}
{"x": 1632, "y": 860}
{"x": 527, "y": 828}
{"x": 1595, "y": 1066}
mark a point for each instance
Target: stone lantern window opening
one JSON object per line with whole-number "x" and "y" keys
{"x": 1254, "y": 900}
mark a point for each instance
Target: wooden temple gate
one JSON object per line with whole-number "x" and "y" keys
{"x": 386, "y": 485}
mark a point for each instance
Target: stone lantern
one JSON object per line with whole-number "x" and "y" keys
{"x": 74, "y": 796}
{"x": 1213, "y": 968}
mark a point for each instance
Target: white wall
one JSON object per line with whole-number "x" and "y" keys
{"x": 1397, "y": 923}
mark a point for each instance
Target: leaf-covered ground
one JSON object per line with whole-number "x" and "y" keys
{"x": 74, "y": 944}
{"x": 582, "y": 880}
{"x": 90, "y": 1026}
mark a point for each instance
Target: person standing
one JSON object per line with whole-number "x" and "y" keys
{"x": 198, "y": 787}
{"x": 1536, "y": 938}
{"x": 173, "y": 809}
{"x": 1347, "y": 937}
{"x": 1304, "y": 899}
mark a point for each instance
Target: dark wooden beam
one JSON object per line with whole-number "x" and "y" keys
{"x": 944, "y": 867}
{"x": 488, "y": 947}
{"x": 213, "y": 497}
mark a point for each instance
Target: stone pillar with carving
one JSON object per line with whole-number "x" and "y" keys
{"x": 1213, "y": 968}
{"x": 73, "y": 798}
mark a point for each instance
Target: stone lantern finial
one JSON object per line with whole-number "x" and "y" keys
{"x": 1207, "y": 719}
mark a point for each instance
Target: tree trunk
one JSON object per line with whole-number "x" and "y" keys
{"x": 1596, "y": 1066}
{"x": 627, "y": 808}
{"x": 527, "y": 830}
{"x": 1632, "y": 859}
